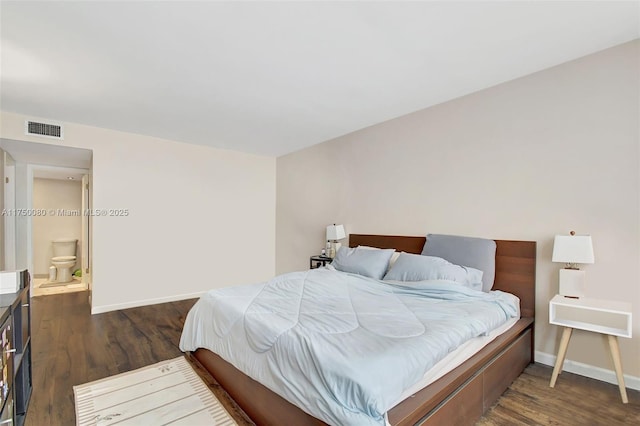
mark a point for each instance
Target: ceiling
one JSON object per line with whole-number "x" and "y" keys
{"x": 274, "y": 77}
{"x": 59, "y": 173}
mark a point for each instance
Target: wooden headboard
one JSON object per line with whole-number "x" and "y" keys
{"x": 515, "y": 263}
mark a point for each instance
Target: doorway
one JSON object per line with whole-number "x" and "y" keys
{"x": 58, "y": 227}
{"x": 28, "y": 161}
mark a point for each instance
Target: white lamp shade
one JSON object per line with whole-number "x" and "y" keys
{"x": 335, "y": 232}
{"x": 573, "y": 249}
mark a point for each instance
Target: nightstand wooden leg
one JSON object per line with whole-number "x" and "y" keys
{"x": 564, "y": 344}
{"x": 617, "y": 363}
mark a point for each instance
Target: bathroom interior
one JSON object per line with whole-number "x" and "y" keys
{"x": 57, "y": 232}
{"x": 47, "y": 186}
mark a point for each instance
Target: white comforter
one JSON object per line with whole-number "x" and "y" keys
{"x": 340, "y": 346}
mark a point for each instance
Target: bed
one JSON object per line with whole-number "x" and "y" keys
{"x": 458, "y": 397}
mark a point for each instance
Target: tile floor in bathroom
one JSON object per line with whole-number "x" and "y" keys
{"x": 70, "y": 287}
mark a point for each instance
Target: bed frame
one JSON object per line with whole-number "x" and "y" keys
{"x": 459, "y": 397}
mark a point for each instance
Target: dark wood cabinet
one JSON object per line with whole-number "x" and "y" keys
{"x": 15, "y": 339}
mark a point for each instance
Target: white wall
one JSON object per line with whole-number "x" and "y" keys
{"x": 22, "y": 202}
{"x": 538, "y": 156}
{"x": 2, "y": 206}
{"x": 199, "y": 218}
{"x": 55, "y": 194}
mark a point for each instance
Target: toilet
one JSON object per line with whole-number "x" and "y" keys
{"x": 64, "y": 259}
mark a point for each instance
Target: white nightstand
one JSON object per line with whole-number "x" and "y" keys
{"x": 600, "y": 316}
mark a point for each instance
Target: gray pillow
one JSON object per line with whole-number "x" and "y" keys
{"x": 414, "y": 267}
{"x": 370, "y": 263}
{"x": 479, "y": 253}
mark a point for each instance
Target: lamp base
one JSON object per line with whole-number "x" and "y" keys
{"x": 572, "y": 283}
{"x": 335, "y": 246}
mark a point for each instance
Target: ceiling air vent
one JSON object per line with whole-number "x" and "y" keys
{"x": 47, "y": 130}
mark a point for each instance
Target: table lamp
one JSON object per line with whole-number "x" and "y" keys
{"x": 571, "y": 250}
{"x": 334, "y": 233}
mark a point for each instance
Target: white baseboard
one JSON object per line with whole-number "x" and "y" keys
{"x": 587, "y": 370}
{"x": 144, "y": 302}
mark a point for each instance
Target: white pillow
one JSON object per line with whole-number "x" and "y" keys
{"x": 370, "y": 263}
{"x": 415, "y": 267}
{"x": 394, "y": 256}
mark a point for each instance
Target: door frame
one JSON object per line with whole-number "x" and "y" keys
{"x": 10, "y": 219}
{"x": 87, "y": 223}
{"x": 31, "y": 168}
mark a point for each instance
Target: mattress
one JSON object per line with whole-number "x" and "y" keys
{"x": 343, "y": 347}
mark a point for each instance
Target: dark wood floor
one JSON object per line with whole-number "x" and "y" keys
{"x": 575, "y": 400}
{"x": 72, "y": 347}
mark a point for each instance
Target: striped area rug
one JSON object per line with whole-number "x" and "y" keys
{"x": 166, "y": 393}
